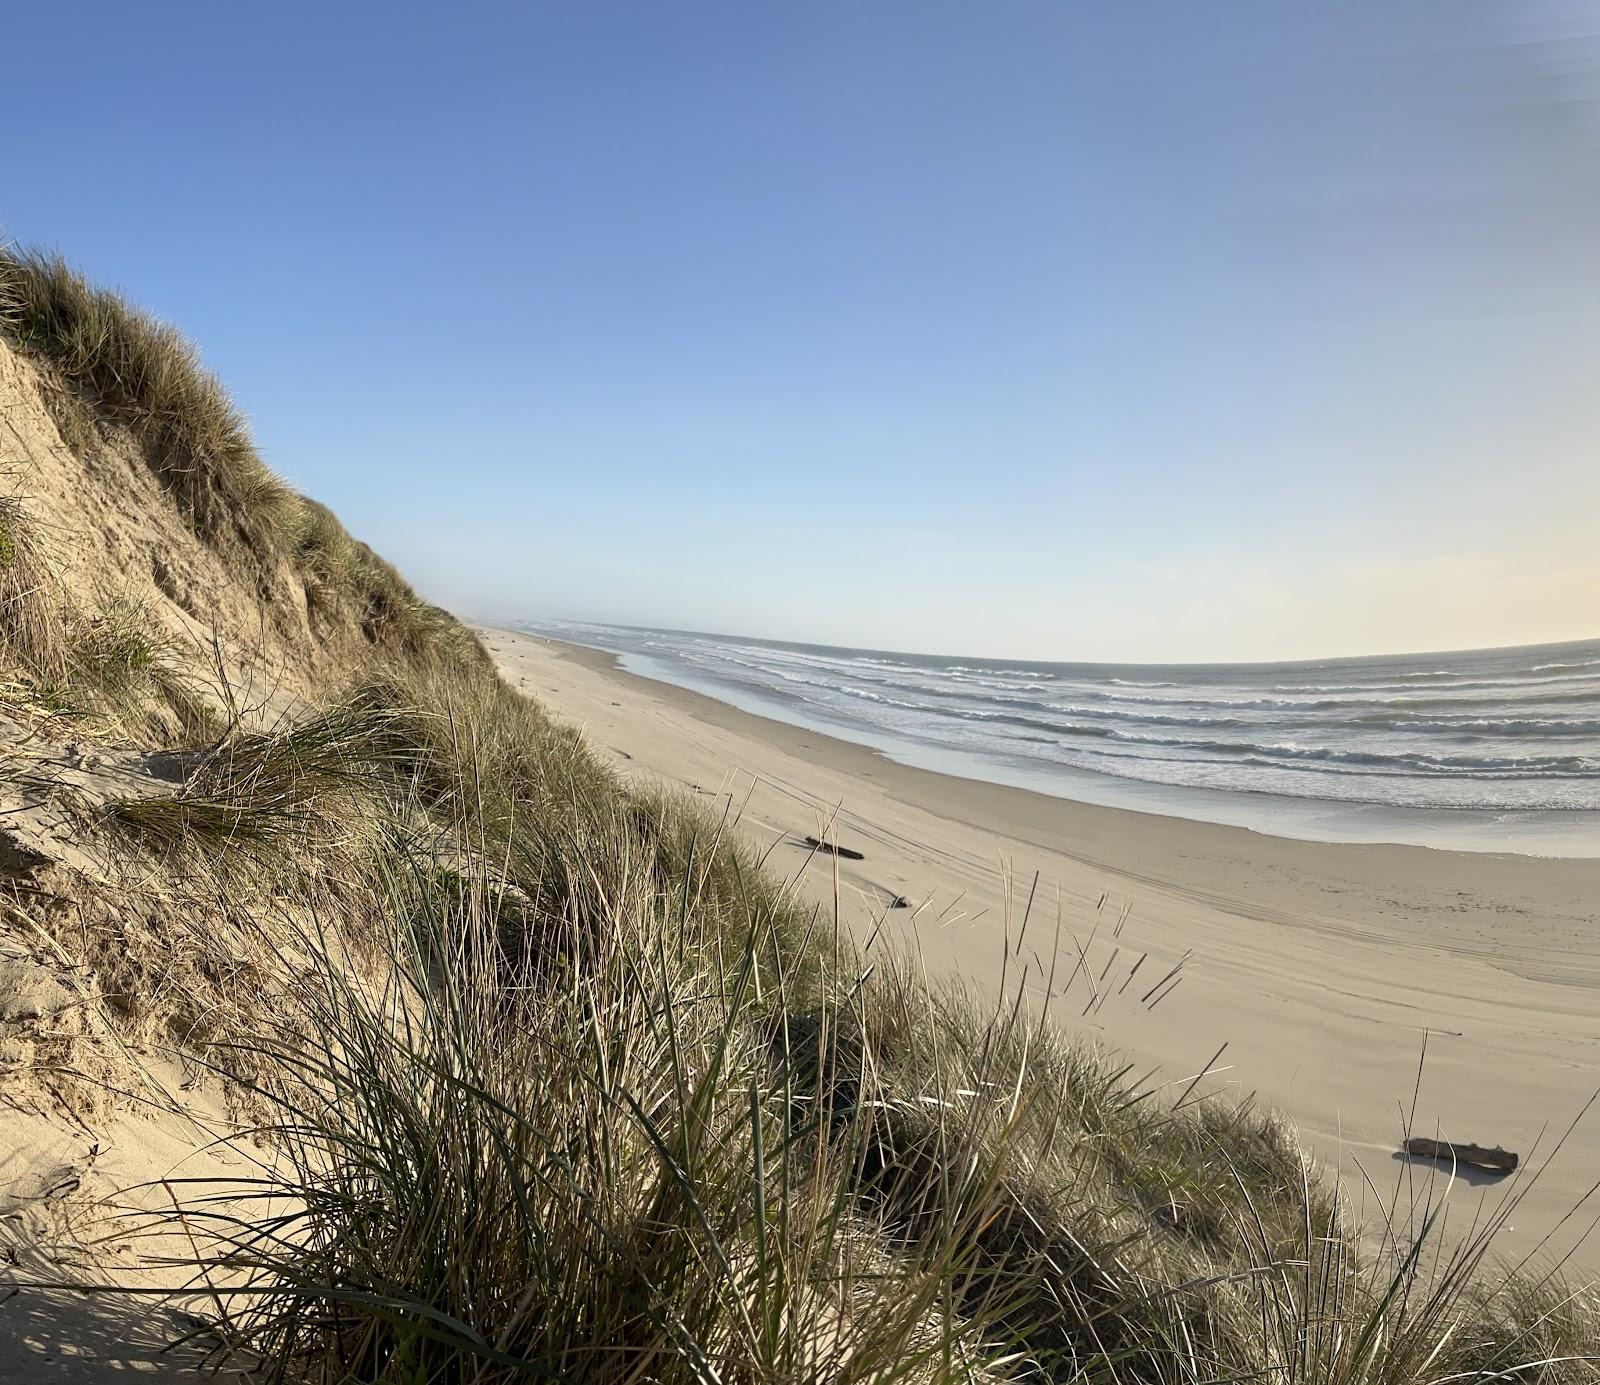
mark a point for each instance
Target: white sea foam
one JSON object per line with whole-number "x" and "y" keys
{"x": 1501, "y": 729}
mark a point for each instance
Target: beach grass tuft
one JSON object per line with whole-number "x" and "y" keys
{"x": 117, "y": 361}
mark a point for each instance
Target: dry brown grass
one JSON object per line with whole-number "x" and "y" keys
{"x": 109, "y": 670}
{"x": 33, "y": 607}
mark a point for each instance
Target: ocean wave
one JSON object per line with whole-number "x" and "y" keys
{"x": 998, "y": 672}
{"x": 1524, "y": 681}
{"x": 1387, "y": 761}
{"x": 1056, "y": 728}
{"x": 1380, "y": 762}
{"x": 1120, "y": 714}
{"x": 1420, "y": 732}
{"x": 868, "y": 696}
{"x": 1416, "y": 712}
{"x": 1565, "y": 668}
{"x": 965, "y": 683}
{"x": 1472, "y": 766}
{"x": 1500, "y": 726}
{"x": 1284, "y": 781}
{"x": 1421, "y": 698}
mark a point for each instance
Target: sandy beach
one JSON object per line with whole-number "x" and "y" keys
{"x": 1318, "y": 970}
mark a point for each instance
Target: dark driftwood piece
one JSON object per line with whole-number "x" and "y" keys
{"x": 833, "y": 850}
{"x": 1498, "y": 1160}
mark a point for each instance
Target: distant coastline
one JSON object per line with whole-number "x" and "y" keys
{"x": 1499, "y": 752}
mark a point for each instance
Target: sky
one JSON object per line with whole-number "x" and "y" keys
{"x": 1041, "y": 328}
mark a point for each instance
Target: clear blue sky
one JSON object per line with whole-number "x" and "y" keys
{"x": 1053, "y": 328}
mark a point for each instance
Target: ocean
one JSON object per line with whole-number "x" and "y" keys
{"x": 1487, "y": 749}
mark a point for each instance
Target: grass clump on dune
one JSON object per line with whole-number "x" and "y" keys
{"x": 108, "y": 362}
{"x": 341, "y": 574}
{"x": 265, "y": 793}
{"x": 32, "y": 604}
{"x": 325, "y": 555}
{"x": 109, "y": 672}
{"x": 143, "y": 374}
{"x": 120, "y": 671}
{"x": 587, "y": 1171}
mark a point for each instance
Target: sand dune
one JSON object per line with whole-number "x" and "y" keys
{"x": 1317, "y": 970}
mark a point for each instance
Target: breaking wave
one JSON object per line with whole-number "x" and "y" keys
{"x": 1500, "y": 729}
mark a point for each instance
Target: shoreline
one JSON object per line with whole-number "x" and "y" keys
{"x": 1546, "y": 832}
{"x": 1108, "y": 825}
{"x": 1321, "y": 966}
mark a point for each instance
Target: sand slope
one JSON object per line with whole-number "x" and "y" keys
{"x": 1320, "y": 967}
{"x": 90, "y": 537}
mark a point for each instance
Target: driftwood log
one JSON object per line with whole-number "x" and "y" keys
{"x": 1496, "y": 1160}
{"x": 845, "y": 852}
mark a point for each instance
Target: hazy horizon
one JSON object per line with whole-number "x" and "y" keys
{"x": 530, "y": 622}
{"x": 1144, "y": 333}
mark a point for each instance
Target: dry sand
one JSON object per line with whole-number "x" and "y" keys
{"x": 1320, "y": 966}
{"x": 82, "y": 1205}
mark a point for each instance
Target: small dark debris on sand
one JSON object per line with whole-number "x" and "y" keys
{"x": 1496, "y": 1160}
{"x": 899, "y": 901}
{"x": 844, "y": 852}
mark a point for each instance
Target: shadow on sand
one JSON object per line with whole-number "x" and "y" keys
{"x": 1470, "y": 1174}
{"x": 63, "y": 1335}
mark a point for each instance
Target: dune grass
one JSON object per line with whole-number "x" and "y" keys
{"x": 600, "y": 1175}
{"x": 119, "y": 669}
{"x": 33, "y": 621}
{"x": 256, "y": 794}
{"x": 143, "y": 374}
{"x": 108, "y": 364}
{"x": 610, "y": 1103}
{"x": 112, "y": 673}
